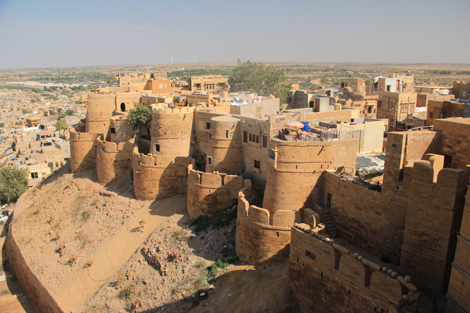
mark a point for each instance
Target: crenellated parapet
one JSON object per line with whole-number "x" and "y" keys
{"x": 327, "y": 277}
{"x": 209, "y": 193}
{"x": 113, "y": 159}
{"x": 171, "y": 130}
{"x": 82, "y": 150}
{"x": 260, "y": 236}
{"x": 158, "y": 177}
{"x": 435, "y": 208}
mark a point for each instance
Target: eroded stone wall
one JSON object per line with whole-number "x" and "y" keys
{"x": 433, "y": 219}
{"x": 326, "y": 277}
{"x": 113, "y": 160}
{"x": 82, "y": 150}
{"x": 158, "y": 177}
{"x": 209, "y": 193}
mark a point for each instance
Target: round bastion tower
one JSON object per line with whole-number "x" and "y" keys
{"x": 224, "y": 151}
{"x": 294, "y": 168}
{"x": 171, "y": 131}
{"x": 99, "y": 110}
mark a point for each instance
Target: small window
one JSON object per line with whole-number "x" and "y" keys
{"x": 431, "y": 114}
{"x": 257, "y": 164}
{"x": 257, "y": 139}
{"x": 226, "y": 134}
{"x": 209, "y": 160}
{"x": 251, "y": 138}
{"x": 34, "y": 175}
{"x": 271, "y": 154}
{"x": 245, "y": 136}
{"x": 369, "y": 110}
{"x": 208, "y": 125}
{"x": 123, "y": 107}
{"x": 265, "y": 141}
{"x": 113, "y": 130}
{"x": 157, "y": 147}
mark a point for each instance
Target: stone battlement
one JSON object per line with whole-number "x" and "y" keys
{"x": 280, "y": 218}
{"x": 214, "y": 180}
{"x": 446, "y": 178}
{"x": 115, "y": 147}
{"x": 317, "y": 262}
{"x": 177, "y": 110}
{"x": 209, "y": 193}
{"x": 74, "y": 135}
{"x": 158, "y": 161}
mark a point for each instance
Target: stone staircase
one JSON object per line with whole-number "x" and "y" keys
{"x": 327, "y": 219}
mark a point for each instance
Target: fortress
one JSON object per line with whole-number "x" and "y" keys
{"x": 352, "y": 245}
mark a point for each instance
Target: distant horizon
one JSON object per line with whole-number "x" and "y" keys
{"x": 234, "y": 63}
{"x": 51, "y": 33}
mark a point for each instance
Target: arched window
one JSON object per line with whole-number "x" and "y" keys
{"x": 123, "y": 107}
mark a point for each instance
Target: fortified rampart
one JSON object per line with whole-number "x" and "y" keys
{"x": 171, "y": 131}
{"x": 158, "y": 177}
{"x": 113, "y": 159}
{"x": 224, "y": 151}
{"x": 260, "y": 236}
{"x": 376, "y": 224}
{"x": 209, "y": 193}
{"x": 326, "y": 277}
{"x": 459, "y": 284}
{"x": 294, "y": 169}
{"x": 82, "y": 150}
{"x": 455, "y": 134}
{"x": 99, "y": 110}
{"x": 433, "y": 219}
{"x": 36, "y": 291}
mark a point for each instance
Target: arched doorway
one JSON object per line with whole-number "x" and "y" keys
{"x": 123, "y": 107}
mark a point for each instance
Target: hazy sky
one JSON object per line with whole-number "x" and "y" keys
{"x": 43, "y": 33}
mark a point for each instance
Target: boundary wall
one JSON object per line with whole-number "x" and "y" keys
{"x": 37, "y": 293}
{"x": 209, "y": 193}
{"x": 326, "y": 277}
{"x": 433, "y": 219}
{"x": 260, "y": 237}
{"x": 113, "y": 160}
{"x": 158, "y": 177}
{"x": 459, "y": 284}
{"x": 82, "y": 150}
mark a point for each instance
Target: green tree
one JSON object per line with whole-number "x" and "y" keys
{"x": 263, "y": 79}
{"x": 60, "y": 125}
{"x": 140, "y": 115}
{"x": 13, "y": 182}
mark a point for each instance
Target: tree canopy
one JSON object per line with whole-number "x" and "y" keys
{"x": 140, "y": 115}
{"x": 13, "y": 182}
{"x": 263, "y": 79}
{"x": 60, "y": 125}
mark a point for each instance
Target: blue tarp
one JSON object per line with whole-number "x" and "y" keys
{"x": 306, "y": 126}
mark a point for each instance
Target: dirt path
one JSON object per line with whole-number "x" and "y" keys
{"x": 116, "y": 252}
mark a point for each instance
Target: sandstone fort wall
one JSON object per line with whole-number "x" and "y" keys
{"x": 158, "y": 177}
{"x": 113, "y": 160}
{"x": 326, "y": 277}
{"x": 171, "y": 131}
{"x": 82, "y": 150}
{"x": 261, "y": 237}
{"x": 459, "y": 284}
{"x": 37, "y": 293}
{"x": 209, "y": 193}
{"x": 455, "y": 140}
{"x": 377, "y": 224}
{"x": 99, "y": 110}
{"x": 433, "y": 219}
{"x": 224, "y": 151}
